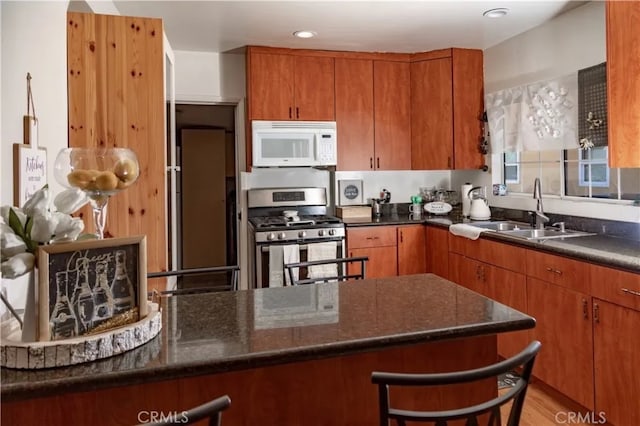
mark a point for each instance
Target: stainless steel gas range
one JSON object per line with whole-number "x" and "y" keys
{"x": 293, "y": 220}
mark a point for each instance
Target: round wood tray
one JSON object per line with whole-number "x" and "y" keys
{"x": 35, "y": 355}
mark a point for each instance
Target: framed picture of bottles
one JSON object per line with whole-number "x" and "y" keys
{"x": 90, "y": 286}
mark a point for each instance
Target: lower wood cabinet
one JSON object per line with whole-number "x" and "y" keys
{"x": 392, "y": 250}
{"x": 382, "y": 261}
{"x": 563, "y": 325}
{"x": 379, "y": 243}
{"x": 411, "y": 249}
{"x": 437, "y": 251}
{"x": 501, "y": 285}
{"x": 587, "y": 317}
{"x": 616, "y": 354}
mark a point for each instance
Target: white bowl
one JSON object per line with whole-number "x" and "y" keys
{"x": 290, "y": 213}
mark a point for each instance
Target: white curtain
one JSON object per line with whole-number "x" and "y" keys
{"x": 539, "y": 116}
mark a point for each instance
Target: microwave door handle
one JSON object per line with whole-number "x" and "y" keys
{"x": 316, "y": 146}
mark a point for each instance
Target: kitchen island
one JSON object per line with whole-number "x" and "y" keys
{"x": 285, "y": 356}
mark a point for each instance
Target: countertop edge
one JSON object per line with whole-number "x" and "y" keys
{"x": 30, "y": 390}
{"x": 603, "y": 260}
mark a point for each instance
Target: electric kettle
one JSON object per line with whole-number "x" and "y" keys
{"x": 479, "y": 209}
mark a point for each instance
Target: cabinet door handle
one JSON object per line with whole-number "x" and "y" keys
{"x": 297, "y": 112}
{"x": 448, "y": 162}
{"x": 371, "y": 162}
{"x": 555, "y": 271}
{"x": 378, "y": 162}
{"x": 596, "y": 312}
{"x": 630, "y": 292}
{"x": 290, "y": 116}
{"x": 585, "y": 309}
{"x": 401, "y": 237}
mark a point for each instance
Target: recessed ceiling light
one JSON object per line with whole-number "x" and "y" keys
{"x": 305, "y": 34}
{"x": 496, "y": 13}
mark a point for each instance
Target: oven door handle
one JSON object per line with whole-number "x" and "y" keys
{"x": 265, "y": 248}
{"x": 301, "y": 247}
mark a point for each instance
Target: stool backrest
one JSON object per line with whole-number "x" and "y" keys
{"x": 211, "y": 410}
{"x": 341, "y": 271}
{"x": 517, "y": 393}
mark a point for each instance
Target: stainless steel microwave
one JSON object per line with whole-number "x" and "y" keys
{"x": 294, "y": 143}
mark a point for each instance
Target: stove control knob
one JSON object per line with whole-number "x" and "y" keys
{"x": 302, "y": 234}
{"x": 282, "y": 236}
{"x": 332, "y": 232}
{"x": 322, "y": 233}
{"x": 271, "y": 236}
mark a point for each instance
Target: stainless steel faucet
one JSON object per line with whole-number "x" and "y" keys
{"x": 540, "y": 217}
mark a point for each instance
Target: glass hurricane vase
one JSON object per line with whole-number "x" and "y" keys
{"x": 100, "y": 173}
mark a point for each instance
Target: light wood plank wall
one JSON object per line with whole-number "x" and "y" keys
{"x": 116, "y": 99}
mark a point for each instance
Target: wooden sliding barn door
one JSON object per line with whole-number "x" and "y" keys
{"x": 116, "y": 99}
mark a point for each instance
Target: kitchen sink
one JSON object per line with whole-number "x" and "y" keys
{"x": 526, "y": 232}
{"x": 546, "y": 234}
{"x": 501, "y": 226}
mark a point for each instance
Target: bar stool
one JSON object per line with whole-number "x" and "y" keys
{"x": 517, "y": 393}
{"x": 211, "y": 410}
{"x": 341, "y": 265}
{"x": 233, "y": 286}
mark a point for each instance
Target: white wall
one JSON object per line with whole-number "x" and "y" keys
{"x": 401, "y": 184}
{"x": 34, "y": 40}
{"x": 572, "y": 41}
{"x": 209, "y": 77}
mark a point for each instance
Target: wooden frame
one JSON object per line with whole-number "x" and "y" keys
{"x": 90, "y": 286}
{"x": 29, "y": 171}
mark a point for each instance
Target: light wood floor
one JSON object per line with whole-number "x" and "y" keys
{"x": 541, "y": 407}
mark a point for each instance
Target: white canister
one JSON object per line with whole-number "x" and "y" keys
{"x": 466, "y": 201}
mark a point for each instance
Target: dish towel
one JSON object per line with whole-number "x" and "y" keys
{"x": 467, "y": 231}
{"x": 322, "y": 251}
{"x": 276, "y": 266}
{"x": 291, "y": 254}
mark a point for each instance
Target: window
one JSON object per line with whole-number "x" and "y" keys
{"x": 574, "y": 173}
{"x": 512, "y": 167}
{"x": 593, "y": 168}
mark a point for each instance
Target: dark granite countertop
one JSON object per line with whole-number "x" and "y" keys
{"x": 603, "y": 249}
{"x": 216, "y": 332}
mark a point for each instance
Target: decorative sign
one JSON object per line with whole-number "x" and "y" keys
{"x": 29, "y": 171}
{"x": 350, "y": 192}
{"x": 91, "y": 286}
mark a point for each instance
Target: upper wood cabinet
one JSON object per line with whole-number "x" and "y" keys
{"x": 373, "y": 94}
{"x": 447, "y": 103}
{"x": 354, "y": 113}
{"x": 116, "y": 99}
{"x": 392, "y": 115}
{"x": 623, "y": 88}
{"x": 286, "y": 86}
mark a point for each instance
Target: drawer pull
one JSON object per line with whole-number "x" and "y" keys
{"x": 585, "y": 309}
{"x": 373, "y": 238}
{"x": 555, "y": 271}
{"x": 631, "y": 292}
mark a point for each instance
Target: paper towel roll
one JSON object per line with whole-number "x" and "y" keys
{"x": 466, "y": 201}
